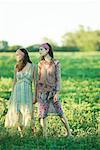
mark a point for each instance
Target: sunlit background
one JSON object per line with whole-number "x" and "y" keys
{"x": 27, "y": 22}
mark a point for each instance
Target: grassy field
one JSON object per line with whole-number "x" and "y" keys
{"x": 80, "y": 96}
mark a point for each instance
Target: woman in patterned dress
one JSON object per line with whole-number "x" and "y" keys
{"x": 49, "y": 87}
{"x": 20, "y": 111}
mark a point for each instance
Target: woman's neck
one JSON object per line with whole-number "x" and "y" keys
{"x": 48, "y": 58}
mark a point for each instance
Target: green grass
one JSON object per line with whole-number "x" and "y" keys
{"x": 80, "y": 96}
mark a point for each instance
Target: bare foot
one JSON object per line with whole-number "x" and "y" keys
{"x": 68, "y": 135}
{"x": 21, "y": 135}
{"x": 33, "y": 129}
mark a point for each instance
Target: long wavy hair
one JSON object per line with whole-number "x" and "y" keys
{"x": 50, "y": 52}
{"x": 22, "y": 63}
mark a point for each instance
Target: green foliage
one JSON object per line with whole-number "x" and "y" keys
{"x": 3, "y": 45}
{"x": 14, "y": 47}
{"x": 85, "y": 40}
{"x": 33, "y": 48}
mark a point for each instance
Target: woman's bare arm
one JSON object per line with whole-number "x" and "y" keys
{"x": 15, "y": 79}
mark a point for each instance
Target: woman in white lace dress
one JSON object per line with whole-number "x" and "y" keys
{"x": 20, "y": 111}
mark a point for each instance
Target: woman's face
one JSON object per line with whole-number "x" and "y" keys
{"x": 19, "y": 55}
{"x": 43, "y": 51}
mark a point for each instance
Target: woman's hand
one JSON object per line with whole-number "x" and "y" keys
{"x": 56, "y": 97}
{"x": 34, "y": 101}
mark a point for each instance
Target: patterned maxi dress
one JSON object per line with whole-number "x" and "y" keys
{"x": 20, "y": 107}
{"x": 48, "y": 84}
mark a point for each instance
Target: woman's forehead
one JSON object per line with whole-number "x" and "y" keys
{"x": 19, "y": 51}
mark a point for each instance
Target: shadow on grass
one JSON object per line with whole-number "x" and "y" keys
{"x": 11, "y": 141}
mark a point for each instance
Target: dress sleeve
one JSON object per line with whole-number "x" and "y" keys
{"x": 39, "y": 70}
{"x": 58, "y": 75}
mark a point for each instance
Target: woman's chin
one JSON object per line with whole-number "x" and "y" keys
{"x": 18, "y": 60}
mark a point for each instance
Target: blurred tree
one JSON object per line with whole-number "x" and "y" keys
{"x": 85, "y": 40}
{"x": 98, "y": 40}
{"x": 33, "y": 48}
{"x": 4, "y": 45}
{"x": 14, "y": 47}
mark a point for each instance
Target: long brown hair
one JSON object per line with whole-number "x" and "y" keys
{"x": 22, "y": 63}
{"x": 50, "y": 52}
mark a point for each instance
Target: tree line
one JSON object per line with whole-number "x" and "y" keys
{"x": 80, "y": 40}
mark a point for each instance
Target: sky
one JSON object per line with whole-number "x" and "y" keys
{"x": 27, "y": 22}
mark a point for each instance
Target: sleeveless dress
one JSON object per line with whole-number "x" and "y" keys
{"x": 21, "y": 107}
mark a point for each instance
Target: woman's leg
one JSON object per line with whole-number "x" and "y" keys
{"x": 43, "y": 111}
{"x": 43, "y": 125}
{"x": 33, "y": 123}
{"x": 63, "y": 118}
{"x": 20, "y": 130}
{"x": 18, "y": 124}
{"x": 66, "y": 124}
